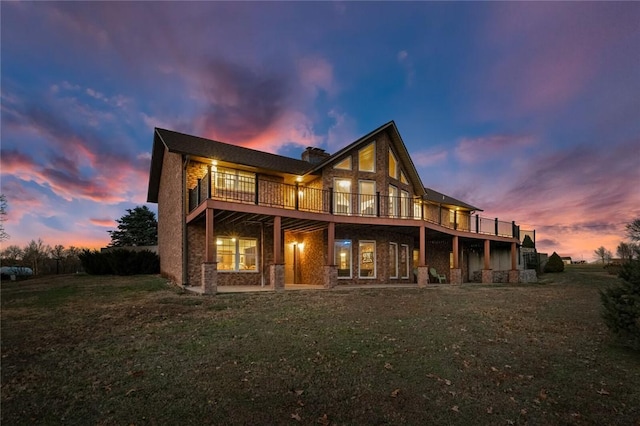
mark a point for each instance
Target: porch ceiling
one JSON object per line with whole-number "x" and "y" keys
{"x": 288, "y": 224}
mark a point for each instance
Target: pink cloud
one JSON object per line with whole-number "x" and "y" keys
{"x": 104, "y": 222}
{"x": 428, "y": 158}
{"x": 317, "y": 73}
{"x": 479, "y": 149}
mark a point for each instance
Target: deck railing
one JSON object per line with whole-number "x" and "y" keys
{"x": 264, "y": 192}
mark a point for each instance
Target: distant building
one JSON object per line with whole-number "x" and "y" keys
{"x": 566, "y": 260}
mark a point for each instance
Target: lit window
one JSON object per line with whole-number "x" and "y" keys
{"x": 367, "y": 197}
{"x": 367, "y": 158}
{"x": 393, "y": 201}
{"x": 344, "y": 164}
{"x": 342, "y": 196}
{"x": 342, "y": 253}
{"x": 404, "y": 260}
{"x": 237, "y": 254}
{"x": 393, "y": 260}
{"x": 405, "y": 203}
{"x": 231, "y": 180}
{"x": 367, "y": 252}
{"x": 393, "y": 165}
{"x": 403, "y": 178}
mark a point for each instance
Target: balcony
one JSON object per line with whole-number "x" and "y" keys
{"x": 263, "y": 192}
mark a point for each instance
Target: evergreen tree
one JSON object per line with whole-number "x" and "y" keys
{"x": 621, "y": 306}
{"x": 528, "y": 242}
{"x": 555, "y": 264}
{"x": 138, "y": 227}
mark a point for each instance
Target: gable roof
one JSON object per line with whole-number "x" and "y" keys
{"x": 182, "y": 143}
{"x": 440, "y": 198}
{"x": 400, "y": 149}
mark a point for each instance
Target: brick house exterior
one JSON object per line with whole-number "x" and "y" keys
{"x": 229, "y": 215}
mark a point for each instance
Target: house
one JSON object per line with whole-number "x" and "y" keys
{"x": 566, "y": 260}
{"x": 229, "y": 215}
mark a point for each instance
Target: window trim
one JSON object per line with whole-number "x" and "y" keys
{"x": 336, "y": 254}
{"x": 361, "y": 210}
{"x": 341, "y": 195}
{"x": 405, "y": 248}
{"x": 371, "y": 145}
{"x": 236, "y": 254}
{"x": 393, "y": 272}
{"x": 373, "y": 260}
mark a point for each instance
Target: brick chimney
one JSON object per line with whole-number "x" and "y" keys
{"x": 314, "y": 155}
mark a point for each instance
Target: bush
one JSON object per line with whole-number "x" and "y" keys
{"x": 555, "y": 264}
{"x": 621, "y": 306}
{"x": 120, "y": 262}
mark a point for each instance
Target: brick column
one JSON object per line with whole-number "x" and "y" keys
{"x": 330, "y": 276}
{"x": 423, "y": 276}
{"x": 209, "y": 277}
{"x": 276, "y": 277}
{"x": 487, "y": 273}
{"x": 514, "y": 274}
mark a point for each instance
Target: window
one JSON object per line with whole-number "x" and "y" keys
{"x": 404, "y": 260}
{"x": 393, "y": 165}
{"x": 403, "y": 178}
{"x": 367, "y": 255}
{"x": 344, "y": 164}
{"x": 417, "y": 208}
{"x": 237, "y": 254}
{"x": 342, "y": 196}
{"x": 233, "y": 180}
{"x": 342, "y": 254}
{"x": 405, "y": 203}
{"x": 367, "y": 197}
{"x": 367, "y": 158}
{"x": 393, "y": 260}
{"x": 393, "y": 201}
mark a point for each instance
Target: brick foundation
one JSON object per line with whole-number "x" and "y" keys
{"x": 487, "y": 276}
{"x": 514, "y": 276}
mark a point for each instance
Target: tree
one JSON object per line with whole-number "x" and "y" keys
{"x": 603, "y": 254}
{"x": 528, "y": 242}
{"x": 34, "y": 253}
{"x": 621, "y": 306}
{"x": 633, "y": 230}
{"x": 12, "y": 255}
{"x": 555, "y": 263}
{"x": 3, "y": 216}
{"x": 625, "y": 251}
{"x": 58, "y": 254}
{"x": 138, "y": 227}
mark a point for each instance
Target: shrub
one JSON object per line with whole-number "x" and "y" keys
{"x": 120, "y": 262}
{"x": 621, "y": 306}
{"x": 555, "y": 264}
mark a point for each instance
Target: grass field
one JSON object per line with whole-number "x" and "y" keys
{"x": 134, "y": 350}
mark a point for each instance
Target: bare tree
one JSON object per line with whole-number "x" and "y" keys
{"x": 12, "y": 255}
{"x": 58, "y": 254}
{"x": 3, "y": 216}
{"x": 633, "y": 230}
{"x": 625, "y": 251}
{"x": 34, "y": 253}
{"x": 603, "y": 254}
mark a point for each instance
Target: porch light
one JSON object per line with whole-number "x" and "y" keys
{"x": 214, "y": 162}
{"x": 219, "y": 242}
{"x": 299, "y": 179}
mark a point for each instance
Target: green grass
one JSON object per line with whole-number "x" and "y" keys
{"x": 134, "y": 350}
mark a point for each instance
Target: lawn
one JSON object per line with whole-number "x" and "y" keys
{"x": 135, "y": 350}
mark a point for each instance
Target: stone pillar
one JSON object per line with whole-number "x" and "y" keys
{"x": 514, "y": 274}
{"x": 209, "y": 277}
{"x": 330, "y": 277}
{"x": 276, "y": 277}
{"x": 456, "y": 253}
{"x": 456, "y": 276}
{"x": 423, "y": 276}
{"x": 487, "y": 276}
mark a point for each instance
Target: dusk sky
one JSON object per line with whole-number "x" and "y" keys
{"x": 530, "y": 111}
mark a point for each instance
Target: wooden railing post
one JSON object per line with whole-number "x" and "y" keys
{"x": 209, "y": 181}
{"x": 455, "y": 219}
{"x": 256, "y": 191}
{"x": 378, "y": 203}
{"x": 496, "y": 226}
{"x": 331, "y": 200}
{"x": 477, "y": 224}
{"x": 297, "y": 198}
